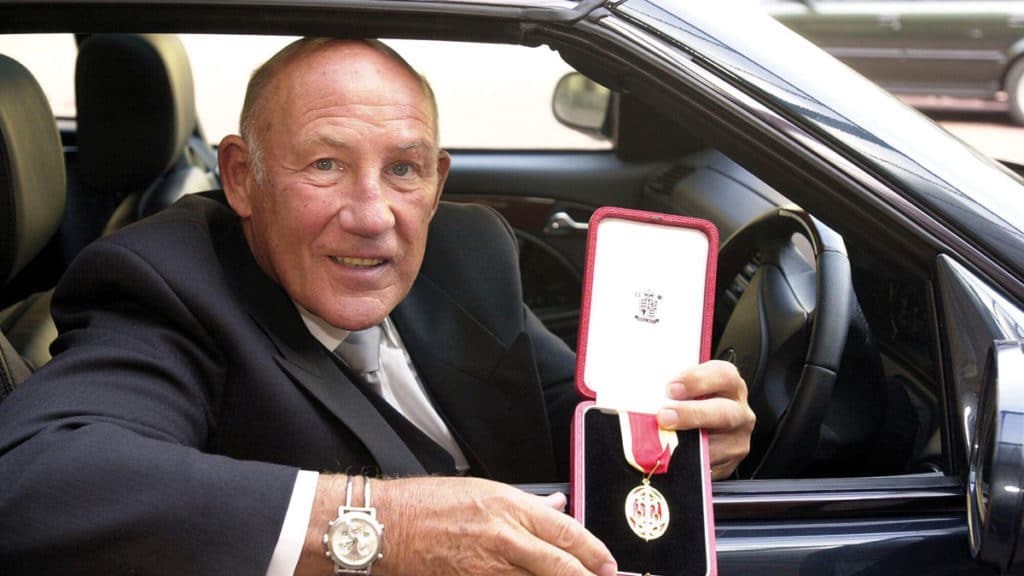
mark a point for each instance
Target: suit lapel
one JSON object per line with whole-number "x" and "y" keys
{"x": 306, "y": 361}
{"x": 477, "y": 384}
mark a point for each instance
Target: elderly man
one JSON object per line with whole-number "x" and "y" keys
{"x": 202, "y": 413}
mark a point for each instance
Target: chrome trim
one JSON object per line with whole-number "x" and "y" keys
{"x": 561, "y": 224}
{"x": 994, "y": 56}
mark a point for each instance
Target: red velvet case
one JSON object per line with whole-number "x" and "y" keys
{"x": 647, "y": 310}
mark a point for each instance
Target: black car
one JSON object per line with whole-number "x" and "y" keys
{"x": 961, "y": 49}
{"x": 870, "y": 275}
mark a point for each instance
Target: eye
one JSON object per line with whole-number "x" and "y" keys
{"x": 324, "y": 164}
{"x": 401, "y": 169}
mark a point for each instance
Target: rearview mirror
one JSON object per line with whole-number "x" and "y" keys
{"x": 581, "y": 104}
{"x": 995, "y": 478}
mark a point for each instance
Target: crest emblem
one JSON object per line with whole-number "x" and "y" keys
{"x": 648, "y": 300}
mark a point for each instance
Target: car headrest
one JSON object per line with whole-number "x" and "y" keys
{"x": 136, "y": 109}
{"x": 32, "y": 175}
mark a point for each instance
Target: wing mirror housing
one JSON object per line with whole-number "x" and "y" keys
{"x": 995, "y": 480}
{"x": 583, "y": 105}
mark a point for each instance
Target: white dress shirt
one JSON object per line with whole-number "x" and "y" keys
{"x": 401, "y": 387}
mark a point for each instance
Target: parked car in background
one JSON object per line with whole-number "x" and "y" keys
{"x": 871, "y": 275}
{"x": 961, "y": 49}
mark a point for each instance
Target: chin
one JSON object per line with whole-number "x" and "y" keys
{"x": 357, "y": 316}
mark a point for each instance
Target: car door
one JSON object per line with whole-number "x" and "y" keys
{"x": 951, "y": 48}
{"x": 867, "y": 35}
{"x": 955, "y": 48}
{"x": 548, "y": 198}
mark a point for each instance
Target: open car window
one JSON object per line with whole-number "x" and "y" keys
{"x": 492, "y": 96}
{"x": 547, "y": 181}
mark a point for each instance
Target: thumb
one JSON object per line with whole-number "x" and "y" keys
{"x": 556, "y": 501}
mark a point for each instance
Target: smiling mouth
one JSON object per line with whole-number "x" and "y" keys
{"x": 357, "y": 262}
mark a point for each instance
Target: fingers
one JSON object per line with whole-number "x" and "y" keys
{"x": 712, "y": 378}
{"x": 726, "y": 452}
{"x": 571, "y": 550}
{"x": 712, "y": 396}
{"x": 556, "y": 501}
{"x": 711, "y": 414}
{"x": 474, "y": 526}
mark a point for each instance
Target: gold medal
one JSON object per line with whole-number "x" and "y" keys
{"x": 647, "y": 511}
{"x": 648, "y": 449}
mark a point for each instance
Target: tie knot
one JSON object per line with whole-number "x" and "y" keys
{"x": 360, "y": 350}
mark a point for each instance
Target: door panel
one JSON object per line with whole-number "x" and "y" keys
{"x": 534, "y": 189}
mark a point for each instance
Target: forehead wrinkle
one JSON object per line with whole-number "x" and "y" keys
{"x": 366, "y": 114}
{"x": 416, "y": 145}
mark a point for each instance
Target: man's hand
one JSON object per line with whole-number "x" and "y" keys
{"x": 444, "y": 526}
{"x": 712, "y": 396}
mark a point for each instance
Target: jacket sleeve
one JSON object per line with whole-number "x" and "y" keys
{"x": 102, "y": 465}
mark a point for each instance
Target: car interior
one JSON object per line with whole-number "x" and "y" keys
{"x": 833, "y": 332}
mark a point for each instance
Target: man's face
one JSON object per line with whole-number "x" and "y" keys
{"x": 353, "y": 176}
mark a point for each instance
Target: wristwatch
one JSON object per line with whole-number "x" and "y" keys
{"x": 354, "y": 539}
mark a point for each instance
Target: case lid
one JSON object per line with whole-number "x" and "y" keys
{"x": 648, "y": 299}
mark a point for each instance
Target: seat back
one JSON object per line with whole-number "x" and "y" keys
{"x": 138, "y": 141}
{"x": 32, "y": 197}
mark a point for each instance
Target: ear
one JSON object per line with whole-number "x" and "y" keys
{"x": 444, "y": 163}
{"x": 233, "y": 160}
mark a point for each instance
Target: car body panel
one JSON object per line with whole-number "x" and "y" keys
{"x": 960, "y": 49}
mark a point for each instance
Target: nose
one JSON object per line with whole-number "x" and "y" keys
{"x": 366, "y": 210}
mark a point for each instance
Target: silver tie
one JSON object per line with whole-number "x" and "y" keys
{"x": 360, "y": 351}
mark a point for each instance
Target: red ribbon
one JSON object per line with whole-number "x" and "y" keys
{"x": 648, "y": 451}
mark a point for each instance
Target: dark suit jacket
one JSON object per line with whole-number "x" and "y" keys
{"x": 185, "y": 393}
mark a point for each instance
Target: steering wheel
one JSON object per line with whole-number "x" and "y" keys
{"x": 786, "y": 332}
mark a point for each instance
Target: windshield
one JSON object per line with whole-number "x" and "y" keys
{"x": 899, "y": 142}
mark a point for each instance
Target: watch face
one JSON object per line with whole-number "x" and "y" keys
{"x": 354, "y": 540}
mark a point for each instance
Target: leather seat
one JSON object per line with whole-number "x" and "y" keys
{"x": 32, "y": 198}
{"x": 139, "y": 144}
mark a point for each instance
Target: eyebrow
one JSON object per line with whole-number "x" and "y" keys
{"x": 418, "y": 144}
{"x": 325, "y": 139}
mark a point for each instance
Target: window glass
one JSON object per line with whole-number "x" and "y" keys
{"x": 490, "y": 96}
{"x": 51, "y": 59}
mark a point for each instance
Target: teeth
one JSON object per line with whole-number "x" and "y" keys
{"x": 361, "y": 262}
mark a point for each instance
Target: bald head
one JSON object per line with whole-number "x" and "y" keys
{"x": 256, "y": 120}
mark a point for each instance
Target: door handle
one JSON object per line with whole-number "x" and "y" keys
{"x": 561, "y": 223}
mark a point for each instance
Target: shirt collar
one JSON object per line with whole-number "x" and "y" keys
{"x": 330, "y": 336}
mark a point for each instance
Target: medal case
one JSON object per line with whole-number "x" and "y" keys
{"x": 646, "y": 314}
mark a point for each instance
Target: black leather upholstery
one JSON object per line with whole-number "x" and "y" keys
{"x": 135, "y": 109}
{"x": 32, "y": 196}
{"x": 136, "y": 115}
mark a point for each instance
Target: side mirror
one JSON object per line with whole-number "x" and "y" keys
{"x": 581, "y": 104}
{"x": 995, "y": 480}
